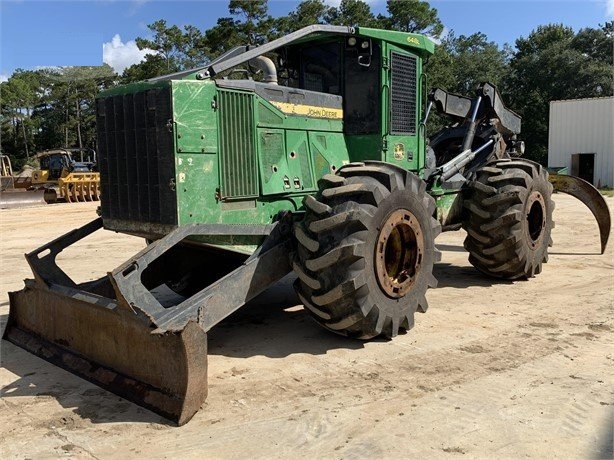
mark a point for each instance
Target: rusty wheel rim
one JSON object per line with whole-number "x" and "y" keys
{"x": 398, "y": 253}
{"x": 535, "y": 219}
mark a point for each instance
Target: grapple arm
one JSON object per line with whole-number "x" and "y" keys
{"x": 490, "y": 103}
{"x": 590, "y": 196}
{"x": 482, "y": 123}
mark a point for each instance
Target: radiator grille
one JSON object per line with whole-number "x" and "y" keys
{"x": 403, "y": 94}
{"x": 239, "y": 165}
{"x": 136, "y": 157}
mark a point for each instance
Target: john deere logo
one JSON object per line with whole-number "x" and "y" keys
{"x": 399, "y": 151}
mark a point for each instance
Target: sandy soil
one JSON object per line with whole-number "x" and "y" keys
{"x": 493, "y": 369}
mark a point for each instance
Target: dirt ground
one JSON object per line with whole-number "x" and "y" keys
{"x": 493, "y": 370}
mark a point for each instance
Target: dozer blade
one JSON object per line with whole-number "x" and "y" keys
{"x": 590, "y": 196}
{"x": 24, "y": 198}
{"x": 96, "y": 339}
{"x": 120, "y": 334}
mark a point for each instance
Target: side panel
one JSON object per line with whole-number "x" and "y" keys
{"x": 273, "y": 162}
{"x": 300, "y": 139}
{"x": 194, "y": 116}
{"x": 196, "y": 143}
{"x": 196, "y": 187}
{"x": 285, "y": 163}
{"x": 329, "y": 152}
{"x": 299, "y": 161}
{"x": 365, "y": 147}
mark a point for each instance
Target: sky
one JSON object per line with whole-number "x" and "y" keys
{"x": 40, "y": 33}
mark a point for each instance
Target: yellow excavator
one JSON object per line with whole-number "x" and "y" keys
{"x": 70, "y": 172}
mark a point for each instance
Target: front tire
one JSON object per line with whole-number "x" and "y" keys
{"x": 509, "y": 219}
{"x": 366, "y": 250}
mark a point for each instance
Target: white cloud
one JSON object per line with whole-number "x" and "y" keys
{"x": 3, "y": 78}
{"x": 136, "y": 6}
{"x": 120, "y": 55}
{"x": 609, "y": 9}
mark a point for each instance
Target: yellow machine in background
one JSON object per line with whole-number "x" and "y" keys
{"x": 9, "y": 180}
{"x": 6, "y": 173}
{"x": 71, "y": 172}
{"x": 16, "y": 191}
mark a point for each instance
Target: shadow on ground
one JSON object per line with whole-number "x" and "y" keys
{"x": 450, "y": 248}
{"x": 275, "y": 325}
{"x": 452, "y": 276}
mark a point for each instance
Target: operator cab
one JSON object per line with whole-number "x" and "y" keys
{"x": 348, "y": 67}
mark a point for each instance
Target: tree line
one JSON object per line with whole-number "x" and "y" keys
{"x": 54, "y": 107}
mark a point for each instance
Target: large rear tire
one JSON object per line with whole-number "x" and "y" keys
{"x": 366, "y": 250}
{"x": 509, "y": 219}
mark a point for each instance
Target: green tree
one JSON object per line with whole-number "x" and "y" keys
{"x": 223, "y": 37}
{"x": 594, "y": 54}
{"x": 461, "y": 63}
{"x": 173, "y": 49}
{"x": 254, "y": 21}
{"x": 250, "y": 24}
{"x": 153, "y": 65}
{"x": 20, "y": 95}
{"x": 306, "y": 13}
{"x": 440, "y": 68}
{"x": 49, "y": 108}
{"x": 67, "y": 112}
{"x": 351, "y": 13}
{"x": 168, "y": 42}
{"x": 411, "y": 16}
{"x": 194, "y": 48}
{"x": 73, "y": 93}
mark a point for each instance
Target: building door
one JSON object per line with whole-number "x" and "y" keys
{"x": 583, "y": 166}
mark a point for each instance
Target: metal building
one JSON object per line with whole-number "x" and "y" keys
{"x": 581, "y": 139}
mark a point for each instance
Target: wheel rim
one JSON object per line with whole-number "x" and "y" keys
{"x": 535, "y": 219}
{"x": 398, "y": 253}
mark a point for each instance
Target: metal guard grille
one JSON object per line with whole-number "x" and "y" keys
{"x": 136, "y": 157}
{"x": 403, "y": 94}
{"x": 239, "y": 165}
